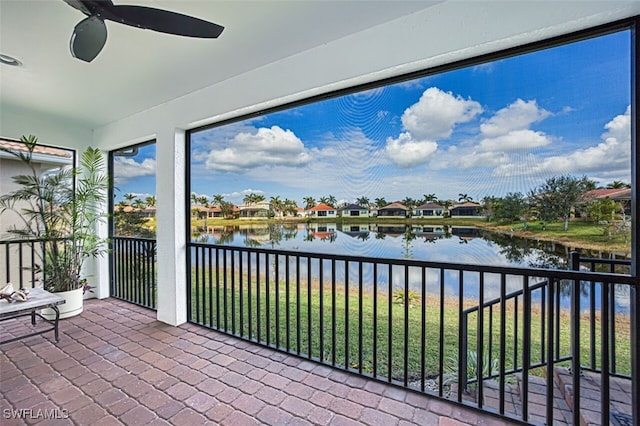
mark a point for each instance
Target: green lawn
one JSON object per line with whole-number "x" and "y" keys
{"x": 579, "y": 235}
{"x": 350, "y": 322}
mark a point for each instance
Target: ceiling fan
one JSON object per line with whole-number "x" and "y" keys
{"x": 90, "y": 35}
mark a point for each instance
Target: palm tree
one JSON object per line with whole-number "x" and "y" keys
{"x": 226, "y": 209}
{"x": 195, "y": 200}
{"x": 380, "y": 202}
{"x": 430, "y": 198}
{"x": 409, "y": 202}
{"x": 277, "y": 204}
{"x": 151, "y": 201}
{"x": 324, "y": 200}
{"x": 217, "y": 200}
{"x": 616, "y": 184}
{"x": 252, "y": 198}
{"x": 129, "y": 197}
{"x": 290, "y": 207}
{"x": 309, "y": 202}
{"x": 204, "y": 200}
{"x": 446, "y": 204}
{"x": 363, "y": 201}
{"x": 332, "y": 200}
{"x": 463, "y": 198}
{"x": 138, "y": 204}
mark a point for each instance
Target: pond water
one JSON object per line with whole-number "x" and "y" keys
{"x": 434, "y": 243}
{"x": 466, "y": 245}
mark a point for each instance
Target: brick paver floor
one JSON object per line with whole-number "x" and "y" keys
{"x": 116, "y": 364}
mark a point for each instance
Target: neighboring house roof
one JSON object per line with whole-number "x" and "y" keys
{"x": 219, "y": 209}
{"x": 129, "y": 209}
{"x": 39, "y": 149}
{"x": 394, "y": 206}
{"x": 466, "y": 204}
{"x": 430, "y": 206}
{"x": 322, "y": 206}
{"x": 323, "y": 234}
{"x": 353, "y": 207}
{"x": 615, "y": 193}
{"x": 622, "y": 195}
{"x": 256, "y": 207}
{"x": 126, "y": 209}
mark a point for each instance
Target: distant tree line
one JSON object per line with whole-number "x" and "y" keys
{"x": 558, "y": 198}
{"x": 128, "y": 217}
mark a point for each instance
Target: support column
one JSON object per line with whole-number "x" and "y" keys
{"x": 635, "y": 226}
{"x": 170, "y": 229}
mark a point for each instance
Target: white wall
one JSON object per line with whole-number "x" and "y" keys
{"x": 442, "y": 34}
{"x": 61, "y": 132}
{"x": 50, "y": 130}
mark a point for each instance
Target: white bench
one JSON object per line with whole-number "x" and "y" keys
{"x": 38, "y": 299}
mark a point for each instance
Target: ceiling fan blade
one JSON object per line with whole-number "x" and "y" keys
{"x": 162, "y": 21}
{"x": 88, "y": 7}
{"x": 88, "y": 38}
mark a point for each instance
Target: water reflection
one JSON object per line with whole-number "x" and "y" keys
{"x": 444, "y": 243}
{"x": 434, "y": 243}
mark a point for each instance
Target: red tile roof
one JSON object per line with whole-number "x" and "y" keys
{"x": 607, "y": 192}
{"x": 322, "y": 206}
{"x": 39, "y": 149}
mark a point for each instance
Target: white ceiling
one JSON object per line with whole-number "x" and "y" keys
{"x": 138, "y": 69}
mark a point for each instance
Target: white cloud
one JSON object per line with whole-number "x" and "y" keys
{"x": 619, "y": 129}
{"x": 433, "y": 117}
{"x": 436, "y": 113}
{"x": 266, "y": 147}
{"x": 481, "y": 159}
{"x": 344, "y": 163}
{"x": 610, "y": 157}
{"x": 128, "y": 168}
{"x": 406, "y": 152}
{"x": 241, "y": 194}
{"x": 141, "y": 195}
{"x": 515, "y": 140}
{"x": 464, "y": 158}
{"x": 517, "y": 116}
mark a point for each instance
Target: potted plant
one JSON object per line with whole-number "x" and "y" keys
{"x": 60, "y": 209}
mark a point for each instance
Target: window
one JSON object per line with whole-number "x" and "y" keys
{"x": 459, "y": 137}
{"x": 133, "y": 175}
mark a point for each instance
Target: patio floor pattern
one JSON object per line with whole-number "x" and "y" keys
{"x": 116, "y": 364}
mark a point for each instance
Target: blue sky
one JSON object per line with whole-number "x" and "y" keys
{"x": 495, "y": 128}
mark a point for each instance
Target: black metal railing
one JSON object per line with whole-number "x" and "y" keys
{"x": 568, "y": 346}
{"x": 590, "y": 291}
{"x": 611, "y": 266}
{"x": 18, "y": 259}
{"x": 411, "y": 323}
{"x": 134, "y": 270}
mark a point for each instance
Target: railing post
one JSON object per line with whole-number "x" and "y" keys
{"x": 462, "y": 362}
{"x": 575, "y": 337}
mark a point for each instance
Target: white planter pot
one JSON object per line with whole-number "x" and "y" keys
{"x": 72, "y": 306}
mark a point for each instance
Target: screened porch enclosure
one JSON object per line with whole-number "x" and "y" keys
{"x": 466, "y": 110}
